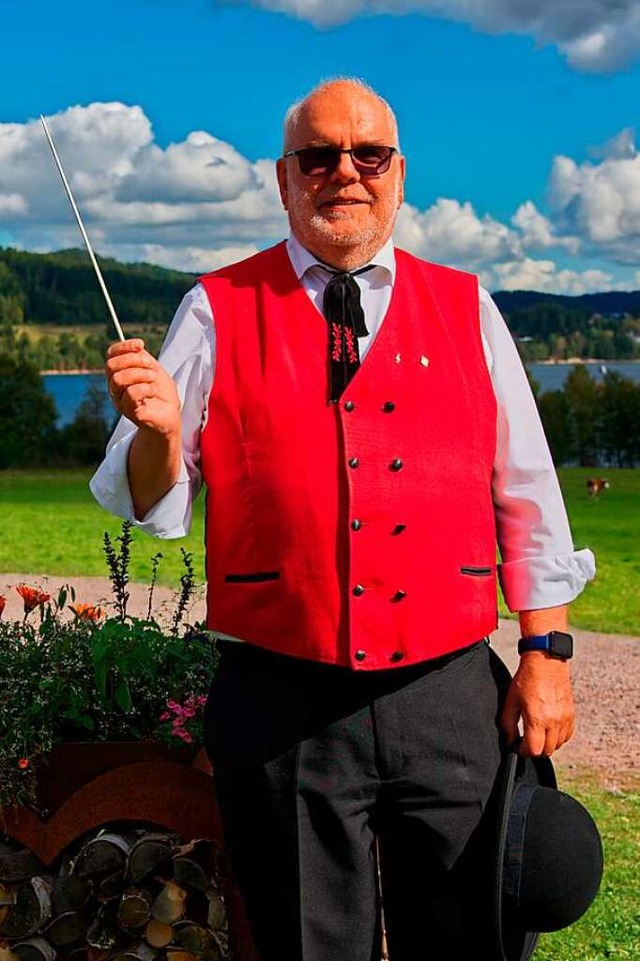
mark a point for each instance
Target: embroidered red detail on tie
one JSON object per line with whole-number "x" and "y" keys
{"x": 336, "y": 342}
{"x": 350, "y": 346}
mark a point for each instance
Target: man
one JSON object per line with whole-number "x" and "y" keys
{"x": 352, "y": 519}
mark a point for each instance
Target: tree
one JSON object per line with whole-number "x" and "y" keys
{"x": 11, "y": 310}
{"x": 83, "y": 440}
{"x": 532, "y": 351}
{"x": 27, "y": 415}
{"x": 582, "y": 397}
{"x": 556, "y": 420}
{"x": 558, "y": 346}
{"x": 602, "y": 345}
{"x": 619, "y": 420}
{"x": 623, "y": 346}
{"x": 577, "y": 344}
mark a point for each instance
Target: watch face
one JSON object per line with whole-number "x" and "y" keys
{"x": 561, "y": 644}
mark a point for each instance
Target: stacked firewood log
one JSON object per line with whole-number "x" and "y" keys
{"x": 123, "y": 894}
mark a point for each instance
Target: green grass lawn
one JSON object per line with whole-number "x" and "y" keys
{"x": 610, "y": 526}
{"x": 51, "y": 525}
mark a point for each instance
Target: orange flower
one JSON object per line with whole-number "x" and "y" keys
{"x": 87, "y": 612}
{"x": 23, "y": 763}
{"x": 3, "y": 602}
{"x": 32, "y": 597}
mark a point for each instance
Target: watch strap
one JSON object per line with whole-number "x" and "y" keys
{"x": 556, "y": 643}
{"x": 534, "y": 642}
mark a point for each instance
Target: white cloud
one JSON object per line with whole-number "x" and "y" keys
{"x": 13, "y": 205}
{"x": 201, "y": 169}
{"x": 617, "y": 148}
{"x": 451, "y": 232}
{"x": 319, "y": 12}
{"x": 537, "y": 232}
{"x": 600, "y": 202}
{"x": 599, "y": 35}
{"x": 544, "y": 275}
{"x": 190, "y": 201}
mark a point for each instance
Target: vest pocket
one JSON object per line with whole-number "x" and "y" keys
{"x": 477, "y": 571}
{"x": 257, "y": 577}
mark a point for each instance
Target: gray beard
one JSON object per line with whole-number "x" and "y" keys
{"x": 326, "y": 229}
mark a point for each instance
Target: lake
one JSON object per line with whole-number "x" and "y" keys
{"x": 69, "y": 390}
{"x": 552, "y": 376}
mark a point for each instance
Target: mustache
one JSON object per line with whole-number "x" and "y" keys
{"x": 341, "y": 198}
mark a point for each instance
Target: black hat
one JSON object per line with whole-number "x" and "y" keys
{"x": 548, "y": 857}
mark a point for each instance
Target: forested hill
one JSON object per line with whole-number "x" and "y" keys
{"x": 61, "y": 289}
{"x": 607, "y": 303}
{"x": 603, "y": 325}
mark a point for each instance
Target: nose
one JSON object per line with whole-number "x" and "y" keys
{"x": 345, "y": 172}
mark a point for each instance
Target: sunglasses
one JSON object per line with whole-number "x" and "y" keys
{"x": 370, "y": 160}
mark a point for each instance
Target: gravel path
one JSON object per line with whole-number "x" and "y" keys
{"x": 606, "y": 675}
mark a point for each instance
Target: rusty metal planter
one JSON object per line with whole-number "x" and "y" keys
{"x": 87, "y": 785}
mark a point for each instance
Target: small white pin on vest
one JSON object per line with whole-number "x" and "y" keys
{"x": 424, "y": 361}
{"x": 397, "y": 358}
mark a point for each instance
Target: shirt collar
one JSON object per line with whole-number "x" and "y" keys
{"x": 303, "y": 260}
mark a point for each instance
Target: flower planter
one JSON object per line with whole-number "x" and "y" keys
{"x": 88, "y": 785}
{"x": 72, "y": 765}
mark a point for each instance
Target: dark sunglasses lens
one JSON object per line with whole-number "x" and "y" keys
{"x": 318, "y": 161}
{"x": 372, "y": 159}
{"x": 322, "y": 161}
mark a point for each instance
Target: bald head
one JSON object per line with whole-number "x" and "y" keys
{"x": 339, "y": 91}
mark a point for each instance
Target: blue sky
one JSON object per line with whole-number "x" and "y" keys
{"x": 518, "y": 129}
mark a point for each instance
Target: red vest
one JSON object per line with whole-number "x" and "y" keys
{"x": 360, "y": 533}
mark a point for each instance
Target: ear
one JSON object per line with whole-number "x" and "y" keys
{"x": 401, "y": 184}
{"x": 281, "y": 173}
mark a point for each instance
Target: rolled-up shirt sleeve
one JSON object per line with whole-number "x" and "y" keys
{"x": 539, "y": 567}
{"x": 188, "y": 354}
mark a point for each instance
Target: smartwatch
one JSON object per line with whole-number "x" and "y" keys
{"x": 556, "y": 643}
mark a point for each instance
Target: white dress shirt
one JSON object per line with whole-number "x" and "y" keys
{"x": 539, "y": 567}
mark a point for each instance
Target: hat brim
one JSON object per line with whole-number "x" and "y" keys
{"x": 513, "y": 943}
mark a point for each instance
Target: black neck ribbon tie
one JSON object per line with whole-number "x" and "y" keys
{"x": 345, "y": 318}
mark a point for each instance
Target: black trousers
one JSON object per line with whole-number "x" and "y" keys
{"x": 314, "y": 762}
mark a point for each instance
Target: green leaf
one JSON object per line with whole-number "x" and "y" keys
{"x": 101, "y": 669}
{"x": 122, "y": 695}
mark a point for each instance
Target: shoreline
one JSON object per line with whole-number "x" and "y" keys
{"x": 573, "y": 361}
{"x": 87, "y": 370}
{"x": 551, "y": 362}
